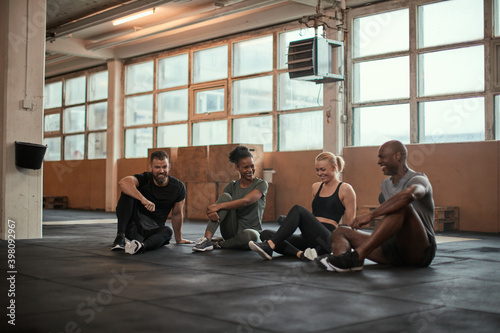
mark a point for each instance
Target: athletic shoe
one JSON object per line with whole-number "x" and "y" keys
{"x": 323, "y": 263}
{"x": 119, "y": 243}
{"x": 203, "y": 244}
{"x": 346, "y": 262}
{"x": 263, "y": 249}
{"x": 310, "y": 254}
{"x": 134, "y": 247}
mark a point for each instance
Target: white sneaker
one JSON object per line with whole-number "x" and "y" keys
{"x": 310, "y": 254}
{"x": 133, "y": 247}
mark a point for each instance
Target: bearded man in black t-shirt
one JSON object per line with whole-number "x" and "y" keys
{"x": 144, "y": 205}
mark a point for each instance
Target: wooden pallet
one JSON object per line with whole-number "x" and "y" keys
{"x": 445, "y": 218}
{"x": 52, "y": 202}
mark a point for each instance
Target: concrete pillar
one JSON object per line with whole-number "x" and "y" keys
{"x": 115, "y": 141}
{"x": 334, "y": 124}
{"x": 22, "y": 54}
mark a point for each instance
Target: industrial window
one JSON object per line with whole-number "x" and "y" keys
{"x": 75, "y": 116}
{"x": 234, "y": 90}
{"x": 446, "y": 100}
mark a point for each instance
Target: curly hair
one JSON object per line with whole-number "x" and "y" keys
{"x": 238, "y": 153}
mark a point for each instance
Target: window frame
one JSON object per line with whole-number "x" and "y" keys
{"x": 60, "y": 110}
{"x": 488, "y": 42}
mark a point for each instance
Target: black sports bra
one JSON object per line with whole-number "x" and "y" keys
{"x": 328, "y": 207}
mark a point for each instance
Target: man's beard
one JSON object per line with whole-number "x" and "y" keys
{"x": 161, "y": 180}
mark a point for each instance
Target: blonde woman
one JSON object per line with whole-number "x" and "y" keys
{"x": 332, "y": 199}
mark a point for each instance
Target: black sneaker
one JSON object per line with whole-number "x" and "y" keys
{"x": 119, "y": 243}
{"x": 323, "y": 262}
{"x": 347, "y": 262}
{"x": 263, "y": 249}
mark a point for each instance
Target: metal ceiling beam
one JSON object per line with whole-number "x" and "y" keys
{"x": 184, "y": 22}
{"x": 103, "y": 17}
{"x": 76, "y": 47}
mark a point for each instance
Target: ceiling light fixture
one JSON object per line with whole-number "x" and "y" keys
{"x": 134, "y": 16}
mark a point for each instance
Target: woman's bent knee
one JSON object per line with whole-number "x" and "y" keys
{"x": 253, "y": 235}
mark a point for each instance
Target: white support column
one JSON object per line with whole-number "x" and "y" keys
{"x": 22, "y": 54}
{"x": 334, "y": 125}
{"x": 115, "y": 142}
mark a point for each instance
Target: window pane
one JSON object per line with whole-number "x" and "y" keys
{"x": 451, "y": 71}
{"x": 381, "y": 33}
{"x": 173, "y": 105}
{"x": 380, "y": 80}
{"x": 139, "y": 110}
{"x": 208, "y": 101}
{"x": 253, "y": 56}
{"x": 138, "y": 141}
{"x": 296, "y": 94}
{"x": 172, "y": 136}
{"x": 74, "y": 146}
{"x": 98, "y": 86}
{"x": 53, "y": 152}
{"x": 374, "y": 125}
{"x": 75, "y": 91}
{"x": 452, "y": 121}
{"x": 173, "y": 71}
{"x": 53, "y": 95}
{"x": 456, "y": 21}
{"x": 52, "y": 122}
{"x": 139, "y": 78}
{"x": 496, "y": 19}
{"x": 97, "y": 145}
{"x": 256, "y": 130}
{"x": 210, "y": 64}
{"x": 253, "y": 95}
{"x": 301, "y": 131}
{"x": 210, "y": 133}
{"x": 74, "y": 119}
{"x": 98, "y": 116}
{"x": 286, "y": 37}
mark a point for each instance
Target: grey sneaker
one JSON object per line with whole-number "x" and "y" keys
{"x": 134, "y": 247}
{"x": 203, "y": 244}
{"x": 263, "y": 249}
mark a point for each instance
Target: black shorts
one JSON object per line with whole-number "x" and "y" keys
{"x": 392, "y": 254}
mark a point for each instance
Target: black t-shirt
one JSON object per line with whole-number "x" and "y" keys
{"x": 164, "y": 198}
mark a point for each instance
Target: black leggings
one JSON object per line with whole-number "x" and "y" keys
{"x": 314, "y": 234}
{"x": 129, "y": 224}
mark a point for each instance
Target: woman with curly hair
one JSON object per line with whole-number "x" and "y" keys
{"x": 239, "y": 209}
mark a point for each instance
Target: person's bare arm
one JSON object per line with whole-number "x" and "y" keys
{"x": 393, "y": 204}
{"x": 177, "y": 220}
{"x": 348, "y": 198}
{"x": 247, "y": 200}
{"x": 128, "y": 185}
